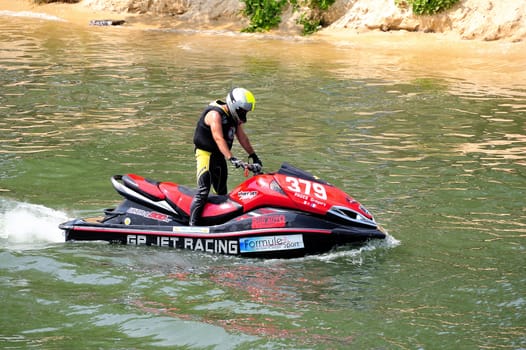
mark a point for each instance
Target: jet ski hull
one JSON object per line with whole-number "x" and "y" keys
{"x": 270, "y": 236}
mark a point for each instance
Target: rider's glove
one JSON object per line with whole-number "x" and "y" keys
{"x": 255, "y": 159}
{"x": 236, "y": 162}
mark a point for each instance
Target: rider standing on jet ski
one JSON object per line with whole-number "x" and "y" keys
{"x": 213, "y": 139}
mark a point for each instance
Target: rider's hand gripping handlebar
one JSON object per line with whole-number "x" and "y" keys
{"x": 253, "y": 167}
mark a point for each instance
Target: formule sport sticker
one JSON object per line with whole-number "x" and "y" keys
{"x": 270, "y": 243}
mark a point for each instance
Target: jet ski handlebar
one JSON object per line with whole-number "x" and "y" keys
{"x": 255, "y": 168}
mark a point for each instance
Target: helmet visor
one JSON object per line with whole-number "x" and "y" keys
{"x": 242, "y": 114}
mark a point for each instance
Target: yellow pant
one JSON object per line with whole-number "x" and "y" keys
{"x": 212, "y": 171}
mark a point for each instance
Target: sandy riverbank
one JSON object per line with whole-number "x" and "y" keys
{"x": 74, "y": 13}
{"x": 436, "y": 47}
{"x": 341, "y": 30}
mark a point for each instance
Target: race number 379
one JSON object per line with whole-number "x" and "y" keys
{"x": 306, "y": 187}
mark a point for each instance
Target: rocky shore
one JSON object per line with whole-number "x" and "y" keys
{"x": 476, "y": 20}
{"x": 486, "y": 20}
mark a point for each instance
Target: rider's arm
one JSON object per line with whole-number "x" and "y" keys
{"x": 243, "y": 140}
{"x": 213, "y": 119}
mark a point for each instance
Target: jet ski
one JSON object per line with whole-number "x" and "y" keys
{"x": 285, "y": 214}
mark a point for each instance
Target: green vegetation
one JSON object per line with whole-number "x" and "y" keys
{"x": 266, "y": 14}
{"x": 263, "y": 14}
{"x": 428, "y": 7}
{"x": 313, "y": 21}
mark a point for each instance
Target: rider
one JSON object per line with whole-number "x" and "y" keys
{"x": 213, "y": 139}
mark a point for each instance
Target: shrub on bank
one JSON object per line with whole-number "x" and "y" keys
{"x": 266, "y": 14}
{"x": 428, "y": 7}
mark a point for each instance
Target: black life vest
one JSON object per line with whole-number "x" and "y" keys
{"x": 203, "y": 138}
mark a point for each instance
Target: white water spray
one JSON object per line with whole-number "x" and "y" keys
{"x": 27, "y": 224}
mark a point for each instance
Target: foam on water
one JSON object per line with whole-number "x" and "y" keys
{"x": 24, "y": 224}
{"x": 29, "y": 14}
{"x": 356, "y": 255}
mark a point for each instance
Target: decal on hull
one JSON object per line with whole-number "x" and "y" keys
{"x": 209, "y": 245}
{"x": 270, "y": 243}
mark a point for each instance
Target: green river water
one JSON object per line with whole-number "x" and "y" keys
{"x": 437, "y": 155}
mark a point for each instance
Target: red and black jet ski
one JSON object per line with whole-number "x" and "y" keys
{"x": 286, "y": 214}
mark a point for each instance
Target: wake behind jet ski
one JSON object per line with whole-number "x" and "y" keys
{"x": 285, "y": 214}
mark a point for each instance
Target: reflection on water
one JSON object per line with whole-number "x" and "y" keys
{"x": 512, "y": 147}
{"x": 435, "y": 148}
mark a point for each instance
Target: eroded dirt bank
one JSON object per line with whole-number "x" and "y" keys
{"x": 483, "y": 20}
{"x": 470, "y": 19}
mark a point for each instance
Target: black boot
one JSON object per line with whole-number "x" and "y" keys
{"x": 200, "y": 198}
{"x": 196, "y": 209}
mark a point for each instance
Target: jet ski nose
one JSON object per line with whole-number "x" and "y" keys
{"x": 350, "y": 216}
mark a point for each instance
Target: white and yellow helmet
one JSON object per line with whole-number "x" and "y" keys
{"x": 240, "y": 101}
